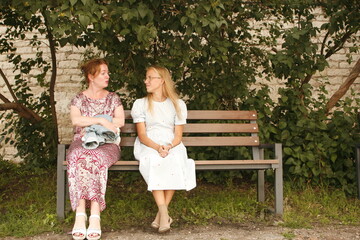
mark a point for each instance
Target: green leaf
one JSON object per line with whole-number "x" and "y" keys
{"x": 282, "y": 125}
{"x": 288, "y": 151}
{"x": 85, "y": 2}
{"x": 183, "y": 20}
{"x": 84, "y": 20}
{"x": 143, "y": 10}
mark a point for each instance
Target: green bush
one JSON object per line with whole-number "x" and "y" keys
{"x": 318, "y": 147}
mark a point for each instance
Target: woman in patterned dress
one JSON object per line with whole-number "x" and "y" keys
{"x": 87, "y": 168}
{"x": 163, "y": 162}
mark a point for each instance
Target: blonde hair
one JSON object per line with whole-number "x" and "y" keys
{"x": 168, "y": 89}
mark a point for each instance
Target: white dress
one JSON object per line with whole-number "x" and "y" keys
{"x": 174, "y": 172}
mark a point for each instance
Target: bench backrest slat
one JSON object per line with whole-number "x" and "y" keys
{"x": 206, "y": 141}
{"x": 207, "y": 128}
{"x": 224, "y": 115}
{"x": 221, "y": 141}
{"x": 246, "y": 125}
{"x": 215, "y": 115}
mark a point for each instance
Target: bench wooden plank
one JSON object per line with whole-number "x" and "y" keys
{"x": 204, "y": 162}
{"x": 206, "y": 141}
{"x": 221, "y": 141}
{"x": 207, "y": 128}
{"x": 222, "y": 115}
{"x": 214, "y": 115}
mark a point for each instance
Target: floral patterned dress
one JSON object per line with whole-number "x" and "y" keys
{"x": 88, "y": 169}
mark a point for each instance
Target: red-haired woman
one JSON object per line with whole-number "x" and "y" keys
{"x": 87, "y": 168}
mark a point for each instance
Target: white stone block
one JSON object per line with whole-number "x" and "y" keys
{"x": 338, "y": 57}
{"x": 28, "y": 50}
{"x": 68, "y": 64}
{"x": 338, "y": 72}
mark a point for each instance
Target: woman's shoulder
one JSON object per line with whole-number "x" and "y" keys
{"x": 181, "y": 102}
{"x": 112, "y": 95}
{"x": 140, "y": 101}
{"x": 78, "y": 95}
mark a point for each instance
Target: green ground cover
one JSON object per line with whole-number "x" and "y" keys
{"x": 28, "y": 204}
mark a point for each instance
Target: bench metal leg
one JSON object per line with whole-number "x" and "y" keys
{"x": 60, "y": 193}
{"x": 261, "y": 180}
{"x": 357, "y": 152}
{"x": 279, "y": 205}
{"x": 261, "y": 186}
{"x": 259, "y": 154}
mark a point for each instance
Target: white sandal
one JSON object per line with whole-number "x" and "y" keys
{"x": 80, "y": 233}
{"x": 92, "y": 232}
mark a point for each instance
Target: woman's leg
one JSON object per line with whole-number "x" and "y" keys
{"x": 168, "y": 196}
{"x": 94, "y": 222}
{"x": 80, "y": 220}
{"x": 162, "y": 199}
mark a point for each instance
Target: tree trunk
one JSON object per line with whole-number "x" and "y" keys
{"x": 344, "y": 87}
{"x": 53, "y": 79}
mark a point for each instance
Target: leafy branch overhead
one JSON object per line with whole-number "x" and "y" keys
{"x": 217, "y": 52}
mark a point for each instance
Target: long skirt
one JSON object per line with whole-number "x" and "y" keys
{"x": 88, "y": 172}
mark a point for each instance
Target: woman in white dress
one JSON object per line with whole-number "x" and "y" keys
{"x": 160, "y": 118}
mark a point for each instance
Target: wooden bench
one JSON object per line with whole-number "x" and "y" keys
{"x": 232, "y": 128}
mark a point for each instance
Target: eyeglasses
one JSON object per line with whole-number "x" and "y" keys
{"x": 150, "y": 78}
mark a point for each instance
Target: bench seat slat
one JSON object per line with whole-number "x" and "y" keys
{"x": 205, "y": 162}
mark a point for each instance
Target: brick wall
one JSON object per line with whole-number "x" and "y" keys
{"x": 69, "y": 81}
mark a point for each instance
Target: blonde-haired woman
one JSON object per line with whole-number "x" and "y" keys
{"x": 160, "y": 118}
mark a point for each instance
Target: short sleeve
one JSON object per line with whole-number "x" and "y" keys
{"x": 138, "y": 113}
{"x": 76, "y": 101}
{"x": 116, "y": 102}
{"x": 181, "y": 120}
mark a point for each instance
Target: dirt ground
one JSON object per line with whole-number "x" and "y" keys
{"x": 223, "y": 233}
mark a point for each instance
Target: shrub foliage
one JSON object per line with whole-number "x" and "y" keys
{"x": 216, "y": 51}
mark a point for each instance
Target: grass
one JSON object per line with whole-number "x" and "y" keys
{"x": 28, "y": 204}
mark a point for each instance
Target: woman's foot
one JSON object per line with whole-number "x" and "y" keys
{"x": 79, "y": 229}
{"x": 94, "y": 230}
{"x": 156, "y": 223}
{"x": 165, "y": 220}
{"x": 165, "y": 227}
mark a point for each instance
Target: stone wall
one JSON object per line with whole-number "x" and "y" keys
{"x": 69, "y": 81}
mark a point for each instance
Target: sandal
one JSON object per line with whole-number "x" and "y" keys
{"x": 166, "y": 227}
{"x": 79, "y": 233}
{"x": 93, "y": 234}
{"x": 156, "y": 223}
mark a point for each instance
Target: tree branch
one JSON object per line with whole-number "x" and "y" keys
{"x": 339, "y": 45}
{"x": 8, "y": 85}
{"x": 324, "y": 43}
{"x": 5, "y": 100}
{"x": 344, "y": 87}
{"x": 331, "y": 51}
{"x": 22, "y": 111}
